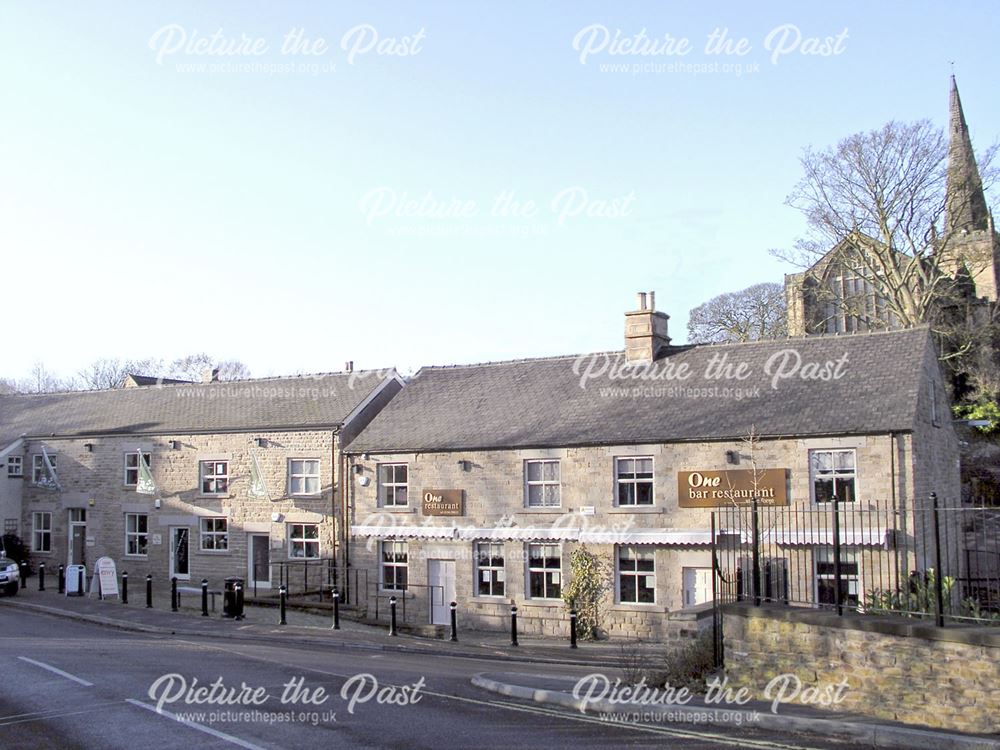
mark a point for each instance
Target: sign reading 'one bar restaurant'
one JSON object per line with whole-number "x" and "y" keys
{"x": 443, "y": 502}
{"x": 710, "y": 489}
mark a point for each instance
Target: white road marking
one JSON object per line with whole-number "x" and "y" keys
{"x": 195, "y": 725}
{"x": 59, "y": 672}
{"x": 707, "y": 737}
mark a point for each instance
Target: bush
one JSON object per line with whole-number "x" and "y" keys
{"x": 690, "y": 666}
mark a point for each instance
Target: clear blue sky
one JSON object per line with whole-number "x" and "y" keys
{"x": 149, "y": 209}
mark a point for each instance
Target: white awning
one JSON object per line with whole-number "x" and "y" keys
{"x": 865, "y": 536}
{"x": 648, "y": 536}
{"x": 522, "y": 533}
{"x": 405, "y": 532}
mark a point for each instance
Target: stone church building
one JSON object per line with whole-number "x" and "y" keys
{"x": 838, "y": 295}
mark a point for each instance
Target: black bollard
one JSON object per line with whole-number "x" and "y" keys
{"x": 336, "y": 609}
{"x": 204, "y": 597}
{"x": 62, "y": 579}
{"x": 41, "y": 576}
{"x": 125, "y": 587}
{"x": 79, "y": 581}
{"x": 173, "y": 594}
{"x": 513, "y": 625}
{"x": 239, "y": 600}
{"x": 282, "y": 600}
{"x": 149, "y": 591}
{"x": 454, "y": 622}
{"x": 392, "y": 615}
{"x": 572, "y": 628}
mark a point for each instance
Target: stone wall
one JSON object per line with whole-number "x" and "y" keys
{"x": 896, "y": 669}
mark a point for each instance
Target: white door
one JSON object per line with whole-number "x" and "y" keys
{"x": 259, "y": 560}
{"x": 441, "y": 577}
{"x": 697, "y": 586}
{"x": 179, "y": 564}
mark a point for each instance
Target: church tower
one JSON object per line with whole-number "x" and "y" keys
{"x": 970, "y": 241}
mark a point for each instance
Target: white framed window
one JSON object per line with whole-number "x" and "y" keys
{"x": 541, "y": 483}
{"x": 38, "y": 473}
{"x": 136, "y": 534}
{"x": 132, "y": 467}
{"x": 393, "y": 483}
{"x": 41, "y": 531}
{"x": 636, "y": 575}
{"x": 634, "y": 480}
{"x": 303, "y": 541}
{"x": 394, "y": 567}
{"x": 15, "y": 467}
{"x": 214, "y": 534}
{"x": 490, "y": 572}
{"x": 833, "y": 475}
{"x": 214, "y": 477}
{"x": 303, "y": 476}
{"x": 826, "y": 586}
{"x": 544, "y": 571}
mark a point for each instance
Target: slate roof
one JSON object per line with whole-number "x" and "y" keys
{"x": 540, "y": 402}
{"x": 312, "y": 401}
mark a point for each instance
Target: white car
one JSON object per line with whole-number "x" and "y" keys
{"x": 10, "y": 576}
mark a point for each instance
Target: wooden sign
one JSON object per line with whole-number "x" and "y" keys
{"x": 105, "y": 578}
{"x": 712, "y": 489}
{"x": 443, "y": 502}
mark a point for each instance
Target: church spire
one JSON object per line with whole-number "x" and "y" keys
{"x": 965, "y": 202}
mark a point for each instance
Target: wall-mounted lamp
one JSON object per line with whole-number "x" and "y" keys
{"x": 261, "y": 442}
{"x": 276, "y": 517}
{"x": 364, "y": 481}
{"x": 156, "y": 503}
{"x": 733, "y": 457}
{"x": 89, "y": 447}
{"x": 365, "y": 457}
{"x": 465, "y": 465}
{"x": 175, "y": 444}
{"x": 91, "y": 502}
{"x": 358, "y": 468}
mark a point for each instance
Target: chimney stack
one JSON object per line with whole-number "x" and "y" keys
{"x": 210, "y": 375}
{"x": 645, "y": 330}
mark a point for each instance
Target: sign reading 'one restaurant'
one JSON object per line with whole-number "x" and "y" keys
{"x": 443, "y": 502}
{"x": 710, "y": 489}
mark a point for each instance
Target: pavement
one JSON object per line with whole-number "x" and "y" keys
{"x": 261, "y": 623}
{"x": 309, "y": 630}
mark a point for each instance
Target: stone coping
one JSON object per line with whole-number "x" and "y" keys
{"x": 973, "y": 635}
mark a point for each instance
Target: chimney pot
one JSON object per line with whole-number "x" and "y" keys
{"x": 641, "y": 297}
{"x": 652, "y": 301}
{"x": 349, "y": 366}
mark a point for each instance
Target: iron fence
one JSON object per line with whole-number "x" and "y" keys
{"x": 919, "y": 559}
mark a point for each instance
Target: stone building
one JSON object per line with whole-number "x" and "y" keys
{"x": 476, "y": 483}
{"x": 196, "y": 481}
{"x": 838, "y": 294}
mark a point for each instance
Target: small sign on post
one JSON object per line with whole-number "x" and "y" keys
{"x": 105, "y": 581}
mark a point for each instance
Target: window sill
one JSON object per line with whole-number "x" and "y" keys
{"x": 213, "y": 552}
{"x": 542, "y": 603}
{"x": 397, "y": 594}
{"x": 637, "y": 509}
{"x": 551, "y": 510}
{"x": 635, "y": 607}
{"x": 216, "y": 496}
{"x": 397, "y": 509}
{"x": 135, "y": 557}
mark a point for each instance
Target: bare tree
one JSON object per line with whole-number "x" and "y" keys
{"x": 877, "y": 199}
{"x": 111, "y": 373}
{"x": 757, "y": 312}
{"x": 195, "y": 366}
{"x": 41, "y": 380}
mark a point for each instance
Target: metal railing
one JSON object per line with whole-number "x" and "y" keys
{"x": 300, "y": 577}
{"x": 921, "y": 560}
